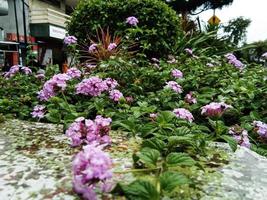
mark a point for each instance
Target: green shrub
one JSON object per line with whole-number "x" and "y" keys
{"x": 158, "y": 26}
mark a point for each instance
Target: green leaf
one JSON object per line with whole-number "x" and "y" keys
{"x": 230, "y": 140}
{"x": 170, "y": 180}
{"x": 182, "y": 131}
{"x": 180, "y": 140}
{"x": 53, "y": 116}
{"x": 149, "y": 156}
{"x": 140, "y": 190}
{"x": 174, "y": 159}
{"x": 154, "y": 143}
{"x": 165, "y": 117}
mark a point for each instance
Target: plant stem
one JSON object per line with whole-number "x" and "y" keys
{"x": 136, "y": 170}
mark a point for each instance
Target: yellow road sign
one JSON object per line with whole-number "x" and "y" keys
{"x": 214, "y": 20}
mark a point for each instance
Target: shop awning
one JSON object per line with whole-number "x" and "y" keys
{"x": 6, "y": 46}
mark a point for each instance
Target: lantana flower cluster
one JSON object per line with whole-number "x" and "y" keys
{"x": 176, "y": 73}
{"x": 69, "y": 40}
{"x": 91, "y": 169}
{"x": 87, "y": 131}
{"x": 133, "y": 21}
{"x": 214, "y": 109}
{"x": 183, "y": 113}
{"x": 234, "y": 61}
{"x": 74, "y": 72}
{"x": 15, "y": 69}
{"x": 56, "y": 83}
{"x": 240, "y": 135}
{"x": 261, "y": 128}
{"x": 95, "y": 86}
{"x": 38, "y": 111}
{"x": 189, "y": 98}
{"x": 174, "y": 86}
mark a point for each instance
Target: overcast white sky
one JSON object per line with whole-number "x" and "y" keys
{"x": 256, "y": 10}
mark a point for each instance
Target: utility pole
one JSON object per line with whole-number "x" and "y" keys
{"x": 17, "y": 29}
{"x": 24, "y": 23}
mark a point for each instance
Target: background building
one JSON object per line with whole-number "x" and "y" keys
{"x": 40, "y": 23}
{"x": 14, "y": 31}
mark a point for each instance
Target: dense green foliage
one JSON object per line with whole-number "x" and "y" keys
{"x": 18, "y": 95}
{"x": 157, "y": 28}
{"x": 236, "y": 30}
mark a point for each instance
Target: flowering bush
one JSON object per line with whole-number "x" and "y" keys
{"x": 15, "y": 69}
{"x": 150, "y": 23}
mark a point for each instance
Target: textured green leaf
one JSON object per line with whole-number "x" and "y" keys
{"x": 169, "y": 180}
{"x": 174, "y": 159}
{"x": 149, "y": 156}
{"x": 140, "y": 190}
{"x": 154, "y": 143}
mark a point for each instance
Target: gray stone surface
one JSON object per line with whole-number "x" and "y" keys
{"x": 244, "y": 178}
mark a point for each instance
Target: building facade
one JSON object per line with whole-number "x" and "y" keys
{"x": 44, "y": 28}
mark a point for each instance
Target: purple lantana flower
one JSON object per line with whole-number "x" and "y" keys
{"x": 174, "y": 86}
{"x": 68, "y": 40}
{"x": 189, "y": 98}
{"x": 83, "y": 131}
{"x": 111, "y": 83}
{"x": 115, "y": 95}
{"x": 74, "y": 72}
{"x": 234, "y": 61}
{"x": 132, "y": 21}
{"x": 57, "y": 82}
{"x": 12, "y": 71}
{"x": 176, "y": 73}
{"x": 261, "y": 128}
{"x": 38, "y": 112}
{"x": 91, "y": 169}
{"x": 92, "y": 48}
{"x": 214, "y": 109}
{"x": 93, "y": 86}
{"x": 240, "y": 135}
{"x": 183, "y": 114}
{"x": 112, "y": 46}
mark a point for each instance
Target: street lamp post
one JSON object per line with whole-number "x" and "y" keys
{"x": 17, "y": 30}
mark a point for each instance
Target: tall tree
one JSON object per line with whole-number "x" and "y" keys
{"x": 236, "y": 30}
{"x": 185, "y": 6}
